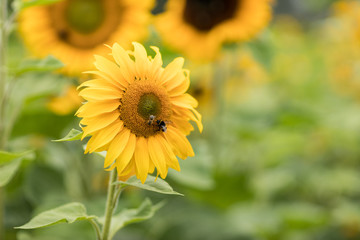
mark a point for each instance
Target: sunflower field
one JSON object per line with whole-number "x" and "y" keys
{"x": 179, "y": 119}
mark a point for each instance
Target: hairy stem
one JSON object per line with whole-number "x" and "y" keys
{"x": 97, "y": 229}
{"x": 118, "y": 191}
{"x": 109, "y": 205}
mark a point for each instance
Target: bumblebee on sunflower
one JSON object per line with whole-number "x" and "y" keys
{"x": 138, "y": 112}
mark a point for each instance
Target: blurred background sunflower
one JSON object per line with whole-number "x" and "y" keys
{"x": 75, "y": 30}
{"x": 199, "y": 28}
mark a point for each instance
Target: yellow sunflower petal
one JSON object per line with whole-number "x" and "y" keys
{"x": 185, "y": 100}
{"x": 119, "y": 82}
{"x": 91, "y": 109}
{"x": 171, "y": 70}
{"x": 109, "y": 67}
{"x": 192, "y": 114}
{"x": 98, "y": 122}
{"x": 179, "y": 143}
{"x": 156, "y": 63}
{"x": 100, "y": 84}
{"x": 169, "y": 154}
{"x": 141, "y": 60}
{"x": 157, "y": 156}
{"x": 122, "y": 58}
{"x": 182, "y": 124}
{"x": 151, "y": 167}
{"x": 142, "y": 158}
{"x": 179, "y": 87}
{"x": 100, "y": 94}
{"x": 128, "y": 171}
{"x": 123, "y": 160}
{"x": 103, "y": 137}
{"x": 116, "y": 147}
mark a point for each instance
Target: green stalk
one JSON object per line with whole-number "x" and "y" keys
{"x": 3, "y": 76}
{"x": 2, "y": 232}
{"x": 3, "y": 67}
{"x": 109, "y": 205}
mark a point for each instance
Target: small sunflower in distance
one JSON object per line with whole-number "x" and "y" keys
{"x": 74, "y": 30}
{"x": 138, "y": 112}
{"x": 198, "y": 27}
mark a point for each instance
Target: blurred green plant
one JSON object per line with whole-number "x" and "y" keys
{"x": 287, "y": 165}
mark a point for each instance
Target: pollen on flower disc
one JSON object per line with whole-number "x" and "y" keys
{"x": 142, "y": 99}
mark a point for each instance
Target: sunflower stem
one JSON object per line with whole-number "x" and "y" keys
{"x": 2, "y": 232}
{"x": 3, "y": 81}
{"x": 3, "y": 72}
{"x": 119, "y": 189}
{"x": 109, "y": 209}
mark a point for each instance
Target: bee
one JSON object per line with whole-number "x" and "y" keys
{"x": 151, "y": 119}
{"x": 159, "y": 123}
{"x": 162, "y": 125}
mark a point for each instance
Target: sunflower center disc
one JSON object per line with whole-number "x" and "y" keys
{"x": 142, "y": 99}
{"x": 85, "y": 16}
{"x": 206, "y": 14}
{"x": 149, "y": 104}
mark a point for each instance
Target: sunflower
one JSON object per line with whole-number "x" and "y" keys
{"x": 198, "y": 28}
{"x": 138, "y": 112}
{"x": 75, "y": 30}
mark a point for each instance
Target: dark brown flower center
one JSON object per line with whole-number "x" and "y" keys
{"x": 206, "y": 14}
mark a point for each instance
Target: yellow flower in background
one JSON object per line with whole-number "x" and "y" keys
{"x": 347, "y": 14}
{"x": 293, "y": 50}
{"x": 66, "y": 103}
{"x": 341, "y": 48}
{"x": 138, "y": 112}
{"x": 75, "y": 30}
{"x": 198, "y": 28}
{"x": 202, "y": 88}
{"x": 247, "y": 76}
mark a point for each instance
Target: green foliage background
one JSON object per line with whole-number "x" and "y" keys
{"x": 279, "y": 161}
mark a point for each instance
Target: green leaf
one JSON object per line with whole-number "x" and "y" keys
{"x": 151, "y": 184}
{"x": 8, "y": 156}
{"x": 73, "y": 135}
{"x": 49, "y": 63}
{"x": 7, "y": 171}
{"x": 145, "y": 211}
{"x": 21, "y": 4}
{"x": 68, "y": 213}
{"x": 10, "y": 164}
